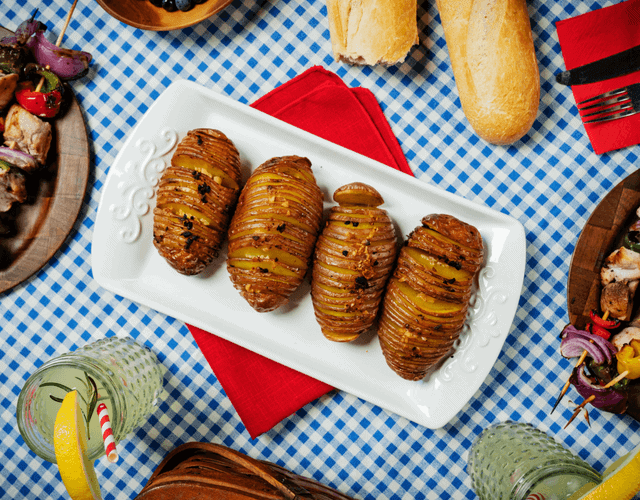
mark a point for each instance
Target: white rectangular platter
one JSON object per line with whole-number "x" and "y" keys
{"x": 125, "y": 261}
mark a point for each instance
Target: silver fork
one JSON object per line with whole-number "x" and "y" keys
{"x": 611, "y": 105}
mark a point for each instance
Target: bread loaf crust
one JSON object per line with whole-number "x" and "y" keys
{"x": 494, "y": 64}
{"x": 369, "y": 32}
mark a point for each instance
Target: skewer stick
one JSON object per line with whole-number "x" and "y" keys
{"x": 580, "y": 360}
{"x": 59, "y": 41}
{"x": 568, "y": 382}
{"x": 66, "y": 23}
{"x": 617, "y": 379}
{"x": 577, "y": 410}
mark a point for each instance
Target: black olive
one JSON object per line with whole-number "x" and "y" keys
{"x": 169, "y": 5}
{"x": 185, "y": 5}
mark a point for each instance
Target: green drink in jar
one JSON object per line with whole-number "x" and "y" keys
{"x": 118, "y": 372}
{"x": 512, "y": 461}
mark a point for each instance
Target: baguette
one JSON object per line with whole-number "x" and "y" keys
{"x": 372, "y": 32}
{"x": 494, "y": 64}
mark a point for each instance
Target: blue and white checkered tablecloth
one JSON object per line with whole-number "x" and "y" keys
{"x": 551, "y": 182}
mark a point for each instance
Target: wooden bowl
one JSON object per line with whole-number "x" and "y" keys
{"x": 601, "y": 236}
{"x": 142, "y": 14}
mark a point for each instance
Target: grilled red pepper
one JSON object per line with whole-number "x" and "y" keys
{"x": 608, "y": 324}
{"x": 599, "y": 331}
{"x": 46, "y": 102}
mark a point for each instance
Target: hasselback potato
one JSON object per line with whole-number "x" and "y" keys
{"x": 426, "y": 301}
{"x": 353, "y": 260}
{"x": 196, "y": 197}
{"x": 273, "y": 231}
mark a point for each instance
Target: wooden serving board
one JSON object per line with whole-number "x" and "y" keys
{"x": 56, "y": 194}
{"x": 601, "y": 235}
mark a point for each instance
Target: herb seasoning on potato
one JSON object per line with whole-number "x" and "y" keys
{"x": 273, "y": 231}
{"x": 426, "y": 301}
{"x": 196, "y": 197}
{"x": 353, "y": 260}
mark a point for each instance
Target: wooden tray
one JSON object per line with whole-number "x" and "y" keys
{"x": 144, "y": 15}
{"x": 600, "y": 236}
{"x": 55, "y": 197}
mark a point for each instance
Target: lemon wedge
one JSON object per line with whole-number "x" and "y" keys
{"x": 70, "y": 446}
{"x": 621, "y": 480}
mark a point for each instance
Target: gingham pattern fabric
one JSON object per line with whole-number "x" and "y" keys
{"x": 550, "y": 182}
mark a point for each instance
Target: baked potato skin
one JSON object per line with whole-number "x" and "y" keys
{"x": 273, "y": 231}
{"x": 196, "y": 196}
{"x": 427, "y": 298}
{"x": 353, "y": 260}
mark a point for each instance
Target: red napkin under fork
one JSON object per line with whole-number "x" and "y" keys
{"x": 262, "y": 391}
{"x": 592, "y": 36}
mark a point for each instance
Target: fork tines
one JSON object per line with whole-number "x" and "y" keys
{"x": 611, "y": 105}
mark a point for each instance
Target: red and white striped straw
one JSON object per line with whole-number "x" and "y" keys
{"x": 536, "y": 496}
{"x": 107, "y": 434}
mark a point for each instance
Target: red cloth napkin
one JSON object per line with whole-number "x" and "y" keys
{"x": 262, "y": 391}
{"x": 592, "y": 36}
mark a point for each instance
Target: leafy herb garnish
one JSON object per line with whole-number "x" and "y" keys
{"x": 90, "y": 387}
{"x": 92, "y": 404}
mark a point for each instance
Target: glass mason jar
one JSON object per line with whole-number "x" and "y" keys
{"x": 119, "y": 372}
{"x": 513, "y": 461}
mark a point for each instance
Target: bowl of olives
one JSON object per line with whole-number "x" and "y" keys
{"x": 162, "y": 15}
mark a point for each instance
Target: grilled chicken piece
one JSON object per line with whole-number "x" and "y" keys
{"x": 620, "y": 339}
{"x": 617, "y": 298}
{"x": 622, "y": 265}
{"x": 635, "y": 319}
{"x": 27, "y": 133}
{"x": 7, "y": 88}
{"x": 12, "y": 186}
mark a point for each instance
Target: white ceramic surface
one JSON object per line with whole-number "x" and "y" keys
{"x": 125, "y": 262}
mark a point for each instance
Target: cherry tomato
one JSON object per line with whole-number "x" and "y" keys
{"x": 42, "y": 104}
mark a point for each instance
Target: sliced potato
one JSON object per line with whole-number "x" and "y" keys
{"x": 273, "y": 231}
{"x": 426, "y": 301}
{"x": 353, "y": 260}
{"x": 357, "y": 193}
{"x": 196, "y": 197}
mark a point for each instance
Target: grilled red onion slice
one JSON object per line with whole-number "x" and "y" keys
{"x": 24, "y": 32}
{"x": 67, "y": 64}
{"x": 575, "y": 341}
{"x": 606, "y": 399}
{"x": 19, "y": 159}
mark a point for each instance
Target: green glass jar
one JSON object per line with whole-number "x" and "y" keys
{"x": 514, "y": 461}
{"x": 128, "y": 378}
